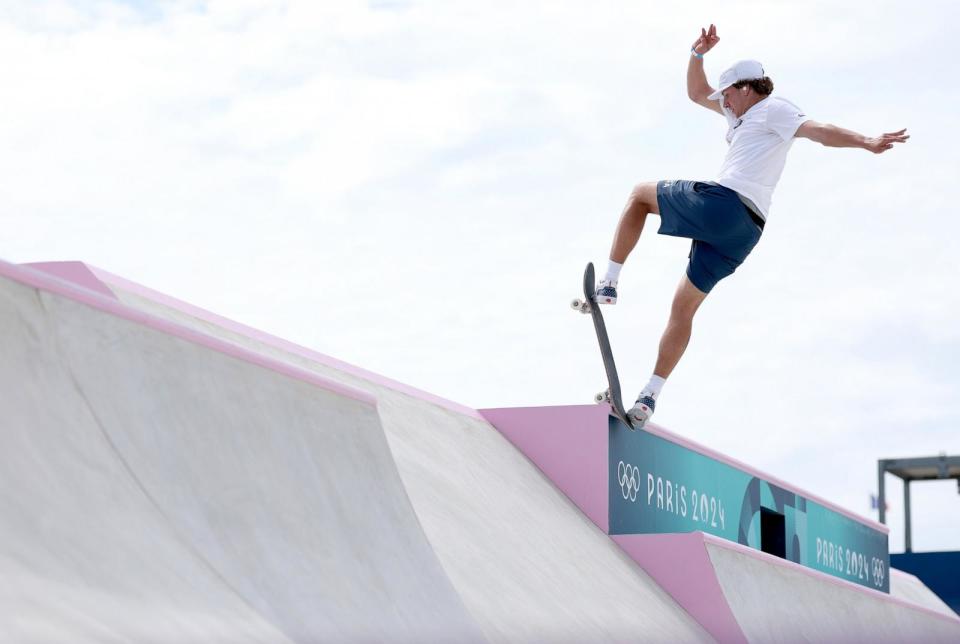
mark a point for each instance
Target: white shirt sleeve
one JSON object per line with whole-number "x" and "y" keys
{"x": 783, "y": 118}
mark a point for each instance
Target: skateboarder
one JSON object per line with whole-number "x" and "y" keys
{"x": 724, "y": 217}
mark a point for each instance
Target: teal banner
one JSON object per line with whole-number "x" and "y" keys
{"x": 657, "y": 486}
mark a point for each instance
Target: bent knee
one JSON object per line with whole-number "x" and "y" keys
{"x": 645, "y": 195}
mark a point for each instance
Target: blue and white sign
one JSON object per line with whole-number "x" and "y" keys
{"x": 657, "y": 486}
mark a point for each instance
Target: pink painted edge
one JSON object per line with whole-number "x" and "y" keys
{"x": 706, "y": 451}
{"x": 575, "y": 461}
{"x": 656, "y": 430}
{"x": 768, "y": 558}
{"x": 75, "y": 272}
{"x": 673, "y": 560}
{"x": 53, "y": 284}
{"x": 276, "y": 342}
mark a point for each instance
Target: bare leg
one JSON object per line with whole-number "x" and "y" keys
{"x": 642, "y": 201}
{"x": 686, "y": 301}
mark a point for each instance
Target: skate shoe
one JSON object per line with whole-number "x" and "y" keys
{"x": 606, "y": 292}
{"x": 641, "y": 412}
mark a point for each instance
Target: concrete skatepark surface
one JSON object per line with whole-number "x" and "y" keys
{"x": 158, "y": 490}
{"x": 816, "y": 611}
{"x": 172, "y": 476}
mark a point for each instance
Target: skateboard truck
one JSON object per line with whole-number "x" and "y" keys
{"x": 581, "y": 305}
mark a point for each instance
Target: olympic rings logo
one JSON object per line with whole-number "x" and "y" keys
{"x": 629, "y": 478}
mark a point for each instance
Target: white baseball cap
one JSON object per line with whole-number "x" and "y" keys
{"x": 740, "y": 71}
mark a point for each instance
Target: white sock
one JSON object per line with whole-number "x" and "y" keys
{"x": 654, "y": 387}
{"x": 613, "y": 272}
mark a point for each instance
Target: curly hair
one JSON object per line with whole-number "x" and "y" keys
{"x": 762, "y": 86}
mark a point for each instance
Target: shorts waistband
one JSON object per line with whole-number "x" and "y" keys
{"x": 752, "y": 209}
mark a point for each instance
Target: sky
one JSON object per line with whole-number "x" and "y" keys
{"x": 415, "y": 188}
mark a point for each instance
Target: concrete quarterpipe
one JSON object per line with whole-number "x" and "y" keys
{"x": 157, "y": 486}
{"x": 169, "y": 475}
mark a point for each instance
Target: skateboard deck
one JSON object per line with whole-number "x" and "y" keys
{"x": 589, "y": 305}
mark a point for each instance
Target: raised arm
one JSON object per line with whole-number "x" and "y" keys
{"x": 698, "y": 89}
{"x": 837, "y": 137}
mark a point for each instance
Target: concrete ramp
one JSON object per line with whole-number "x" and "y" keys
{"x": 177, "y": 476}
{"x": 159, "y": 485}
{"x": 527, "y": 564}
{"x": 814, "y": 608}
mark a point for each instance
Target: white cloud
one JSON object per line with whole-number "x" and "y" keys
{"x": 442, "y": 171}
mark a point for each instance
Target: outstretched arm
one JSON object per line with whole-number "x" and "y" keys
{"x": 837, "y": 137}
{"x": 698, "y": 89}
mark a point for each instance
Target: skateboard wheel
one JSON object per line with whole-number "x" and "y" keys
{"x": 603, "y": 396}
{"x": 580, "y": 305}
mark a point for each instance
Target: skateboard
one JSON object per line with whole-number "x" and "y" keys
{"x": 589, "y": 305}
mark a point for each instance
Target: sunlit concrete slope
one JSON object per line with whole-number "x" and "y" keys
{"x": 506, "y": 557}
{"x": 160, "y": 486}
{"x": 909, "y": 588}
{"x": 528, "y": 565}
{"x": 782, "y": 603}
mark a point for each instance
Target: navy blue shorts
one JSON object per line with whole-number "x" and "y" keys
{"x": 719, "y": 224}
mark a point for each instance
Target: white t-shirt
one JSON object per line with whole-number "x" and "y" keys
{"x": 759, "y": 142}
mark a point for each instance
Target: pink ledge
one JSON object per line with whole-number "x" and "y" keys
{"x": 673, "y": 560}
{"x": 107, "y": 302}
{"x": 561, "y": 439}
{"x": 75, "y": 272}
{"x": 564, "y": 442}
{"x": 184, "y": 307}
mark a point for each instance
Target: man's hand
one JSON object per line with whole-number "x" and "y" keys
{"x": 698, "y": 89}
{"x": 837, "y": 137}
{"x": 884, "y": 142}
{"x": 707, "y": 40}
